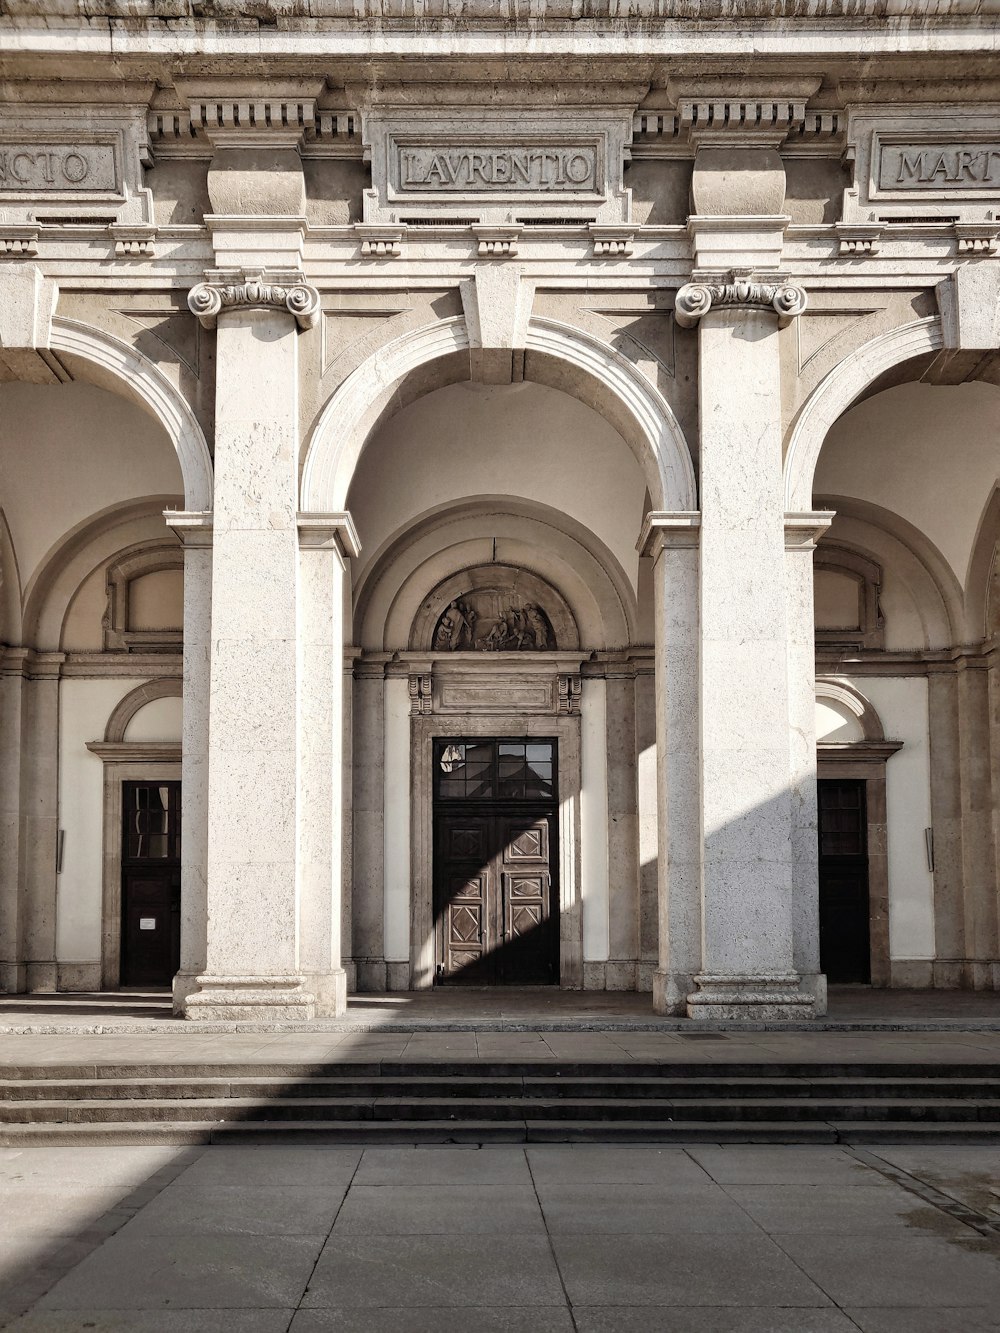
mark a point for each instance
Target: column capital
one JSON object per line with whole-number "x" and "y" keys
{"x": 803, "y": 531}
{"x": 324, "y": 530}
{"x": 227, "y": 291}
{"x": 738, "y": 291}
{"x": 193, "y": 527}
{"x": 661, "y": 529}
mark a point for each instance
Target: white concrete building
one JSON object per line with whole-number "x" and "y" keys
{"x": 482, "y": 463}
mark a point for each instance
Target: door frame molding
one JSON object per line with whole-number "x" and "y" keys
{"x": 865, "y": 761}
{"x": 423, "y": 731}
{"x": 124, "y": 761}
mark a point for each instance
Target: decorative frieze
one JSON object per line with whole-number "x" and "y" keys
{"x": 208, "y": 299}
{"x": 696, "y": 299}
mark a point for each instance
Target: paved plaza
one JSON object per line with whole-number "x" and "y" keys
{"x": 729, "y": 1239}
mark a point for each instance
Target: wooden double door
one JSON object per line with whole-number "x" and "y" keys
{"x": 496, "y": 899}
{"x": 151, "y": 883}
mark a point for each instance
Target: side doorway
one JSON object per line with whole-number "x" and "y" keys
{"x": 496, "y": 890}
{"x": 151, "y": 883}
{"x": 844, "y": 904}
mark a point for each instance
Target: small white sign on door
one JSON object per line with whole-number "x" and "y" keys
{"x": 147, "y": 923}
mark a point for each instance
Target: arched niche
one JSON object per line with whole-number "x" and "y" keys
{"x": 494, "y": 607}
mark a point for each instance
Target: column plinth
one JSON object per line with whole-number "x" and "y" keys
{"x": 256, "y": 999}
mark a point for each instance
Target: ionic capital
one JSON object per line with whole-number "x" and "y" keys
{"x": 209, "y": 299}
{"x": 696, "y": 299}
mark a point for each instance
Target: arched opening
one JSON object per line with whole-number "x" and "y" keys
{"x": 496, "y": 608}
{"x": 900, "y": 440}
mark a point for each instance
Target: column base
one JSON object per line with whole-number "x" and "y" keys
{"x": 12, "y": 978}
{"x": 183, "y": 985}
{"x": 814, "y": 984}
{"x": 329, "y": 989}
{"x": 762, "y": 998}
{"x": 250, "y": 1000}
{"x": 41, "y": 978}
{"x": 670, "y": 992}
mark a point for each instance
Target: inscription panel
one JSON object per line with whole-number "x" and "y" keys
{"x": 486, "y": 165}
{"x": 30, "y": 167}
{"x": 931, "y": 168}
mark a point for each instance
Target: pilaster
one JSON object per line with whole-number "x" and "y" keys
{"x": 195, "y": 532}
{"x": 672, "y": 541}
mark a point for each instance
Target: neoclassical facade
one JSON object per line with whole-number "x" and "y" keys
{"x": 499, "y": 499}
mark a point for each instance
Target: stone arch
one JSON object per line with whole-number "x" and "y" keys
{"x": 838, "y": 390}
{"x": 849, "y": 697}
{"x": 982, "y": 594}
{"x": 123, "y": 713}
{"x": 114, "y": 365}
{"x": 614, "y": 387}
{"x": 439, "y": 543}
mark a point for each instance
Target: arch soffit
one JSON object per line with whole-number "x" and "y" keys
{"x": 911, "y": 555}
{"x": 347, "y": 419}
{"x": 838, "y": 390}
{"x": 10, "y": 586}
{"x": 442, "y": 541}
{"x": 135, "y": 377}
{"x": 137, "y": 699}
{"x": 850, "y": 697}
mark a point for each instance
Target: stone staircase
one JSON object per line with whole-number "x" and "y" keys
{"x": 394, "y": 1101}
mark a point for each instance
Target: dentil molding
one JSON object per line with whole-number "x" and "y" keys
{"x": 209, "y": 299}
{"x": 696, "y": 299}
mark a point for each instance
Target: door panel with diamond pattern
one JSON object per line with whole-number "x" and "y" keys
{"x": 496, "y": 905}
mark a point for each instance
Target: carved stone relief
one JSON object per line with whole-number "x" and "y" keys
{"x": 492, "y": 620}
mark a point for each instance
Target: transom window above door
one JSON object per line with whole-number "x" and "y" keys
{"x": 495, "y": 770}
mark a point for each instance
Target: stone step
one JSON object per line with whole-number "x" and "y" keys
{"x": 555, "y": 1070}
{"x": 606, "y": 1110}
{"x": 472, "y": 1132}
{"x": 664, "y": 1089}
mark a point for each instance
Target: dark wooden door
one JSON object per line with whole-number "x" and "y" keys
{"x": 495, "y": 881}
{"x": 844, "y": 932}
{"x": 151, "y": 883}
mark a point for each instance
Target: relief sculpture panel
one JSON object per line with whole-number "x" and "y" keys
{"x": 492, "y": 620}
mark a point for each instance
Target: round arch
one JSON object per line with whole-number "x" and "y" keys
{"x": 128, "y": 373}
{"x": 851, "y": 699}
{"x": 838, "y": 390}
{"x": 124, "y": 711}
{"x": 632, "y": 405}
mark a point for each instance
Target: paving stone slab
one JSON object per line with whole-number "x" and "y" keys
{"x": 251, "y": 1210}
{"x": 444, "y": 1165}
{"x": 915, "y": 1270}
{"x": 527, "y": 1319}
{"x": 273, "y": 1165}
{"x": 918, "y": 1320}
{"x": 691, "y": 1319}
{"x": 149, "y": 1321}
{"x": 578, "y": 1209}
{"x": 366, "y": 1272}
{"x": 783, "y": 1165}
{"x": 402, "y": 1210}
{"x": 189, "y": 1272}
{"x": 847, "y": 1210}
{"x": 601, "y": 1164}
{"x": 732, "y": 1269}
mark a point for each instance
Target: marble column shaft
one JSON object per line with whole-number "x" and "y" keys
{"x": 748, "y": 962}
{"x": 252, "y": 955}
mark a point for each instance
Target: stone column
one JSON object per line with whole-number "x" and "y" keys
{"x": 325, "y": 541}
{"x": 195, "y": 531}
{"x": 253, "y": 965}
{"x": 672, "y": 542}
{"x": 802, "y": 531}
{"x": 748, "y": 963}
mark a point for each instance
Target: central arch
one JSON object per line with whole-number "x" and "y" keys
{"x": 614, "y": 387}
